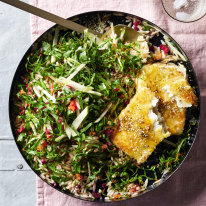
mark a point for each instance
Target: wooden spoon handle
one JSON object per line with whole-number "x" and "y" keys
{"x": 48, "y": 16}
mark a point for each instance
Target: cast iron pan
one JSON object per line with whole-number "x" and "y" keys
{"x": 90, "y": 19}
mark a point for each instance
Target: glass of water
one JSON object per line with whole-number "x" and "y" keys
{"x": 185, "y": 10}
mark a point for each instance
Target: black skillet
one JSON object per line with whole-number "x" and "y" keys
{"x": 91, "y": 20}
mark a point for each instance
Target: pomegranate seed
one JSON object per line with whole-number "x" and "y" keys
{"x": 96, "y": 195}
{"x": 104, "y": 185}
{"x": 152, "y": 48}
{"x": 136, "y": 189}
{"x": 44, "y": 144}
{"x": 126, "y": 102}
{"x": 136, "y": 23}
{"x": 43, "y": 161}
{"x": 46, "y": 131}
{"x": 108, "y": 132}
{"x": 59, "y": 120}
{"x": 164, "y": 48}
{"x": 21, "y": 129}
{"x": 116, "y": 90}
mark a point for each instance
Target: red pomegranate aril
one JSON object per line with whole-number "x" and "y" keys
{"x": 21, "y": 129}
{"x": 43, "y": 161}
{"x": 136, "y": 23}
{"x": 164, "y": 48}
{"x": 103, "y": 185}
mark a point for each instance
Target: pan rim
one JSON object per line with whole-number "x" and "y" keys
{"x": 26, "y": 54}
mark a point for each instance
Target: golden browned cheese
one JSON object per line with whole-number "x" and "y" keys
{"x": 139, "y": 131}
{"x": 169, "y": 82}
{"x": 157, "y": 110}
{"x": 174, "y": 117}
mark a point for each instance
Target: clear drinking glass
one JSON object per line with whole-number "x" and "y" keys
{"x": 185, "y": 10}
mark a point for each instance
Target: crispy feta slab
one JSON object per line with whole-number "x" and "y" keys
{"x": 174, "y": 117}
{"x": 140, "y": 128}
{"x": 169, "y": 82}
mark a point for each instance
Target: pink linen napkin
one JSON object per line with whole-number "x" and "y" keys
{"x": 188, "y": 185}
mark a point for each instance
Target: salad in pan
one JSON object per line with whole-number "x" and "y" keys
{"x": 95, "y": 119}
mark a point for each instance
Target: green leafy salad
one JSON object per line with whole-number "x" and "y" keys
{"x": 68, "y": 104}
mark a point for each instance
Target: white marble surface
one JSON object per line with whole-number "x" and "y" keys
{"x": 17, "y": 186}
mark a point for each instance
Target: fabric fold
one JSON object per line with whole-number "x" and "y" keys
{"x": 187, "y": 186}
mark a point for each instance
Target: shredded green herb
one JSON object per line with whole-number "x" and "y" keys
{"x": 67, "y": 110}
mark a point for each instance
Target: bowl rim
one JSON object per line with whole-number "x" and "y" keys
{"x": 13, "y": 85}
